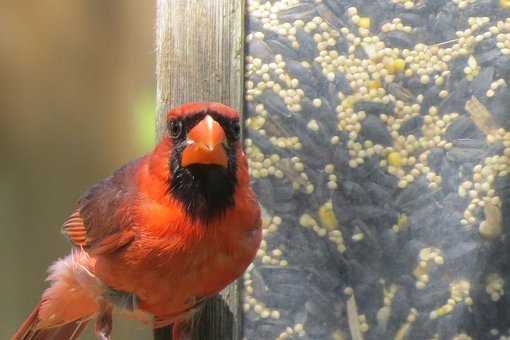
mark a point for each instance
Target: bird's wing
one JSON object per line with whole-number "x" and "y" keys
{"x": 103, "y": 222}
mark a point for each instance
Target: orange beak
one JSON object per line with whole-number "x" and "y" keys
{"x": 205, "y": 144}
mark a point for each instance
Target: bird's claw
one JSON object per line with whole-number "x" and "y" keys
{"x": 182, "y": 330}
{"x": 104, "y": 323}
{"x": 102, "y": 336}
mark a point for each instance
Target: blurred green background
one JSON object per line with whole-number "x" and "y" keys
{"x": 76, "y": 102}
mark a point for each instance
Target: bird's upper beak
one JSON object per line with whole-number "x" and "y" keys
{"x": 205, "y": 144}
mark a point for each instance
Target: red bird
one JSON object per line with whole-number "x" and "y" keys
{"x": 158, "y": 237}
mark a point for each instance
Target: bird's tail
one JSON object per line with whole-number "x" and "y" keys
{"x": 30, "y": 330}
{"x": 67, "y": 305}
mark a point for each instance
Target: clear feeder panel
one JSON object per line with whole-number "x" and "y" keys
{"x": 378, "y": 137}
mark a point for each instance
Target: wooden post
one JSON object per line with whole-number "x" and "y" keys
{"x": 200, "y": 58}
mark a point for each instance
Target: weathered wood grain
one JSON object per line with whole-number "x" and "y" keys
{"x": 199, "y": 47}
{"x": 199, "y": 52}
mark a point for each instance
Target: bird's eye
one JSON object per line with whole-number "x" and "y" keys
{"x": 175, "y": 128}
{"x": 236, "y": 129}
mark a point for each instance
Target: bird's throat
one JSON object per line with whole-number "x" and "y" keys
{"x": 206, "y": 191}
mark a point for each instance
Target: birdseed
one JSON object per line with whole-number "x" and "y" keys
{"x": 378, "y": 138}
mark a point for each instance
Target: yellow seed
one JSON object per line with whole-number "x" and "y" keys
{"x": 399, "y": 65}
{"x": 394, "y": 66}
{"x": 504, "y": 3}
{"x": 441, "y": 311}
{"x": 327, "y": 216}
{"x": 374, "y": 84}
{"x": 394, "y": 159}
{"x": 364, "y": 22}
{"x": 348, "y": 103}
{"x": 402, "y": 220}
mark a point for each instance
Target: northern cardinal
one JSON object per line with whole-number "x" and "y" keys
{"x": 157, "y": 238}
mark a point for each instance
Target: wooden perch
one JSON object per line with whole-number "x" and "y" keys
{"x": 199, "y": 46}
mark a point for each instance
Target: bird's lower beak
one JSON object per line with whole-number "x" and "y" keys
{"x": 205, "y": 144}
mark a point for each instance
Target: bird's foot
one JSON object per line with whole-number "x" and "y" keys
{"x": 182, "y": 330}
{"x": 102, "y": 336}
{"x": 104, "y": 323}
